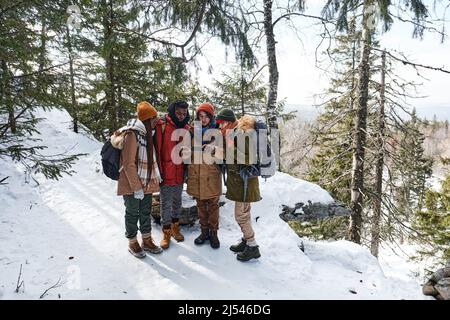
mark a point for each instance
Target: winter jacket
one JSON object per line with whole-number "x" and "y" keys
{"x": 172, "y": 174}
{"x": 129, "y": 181}
{"x": 204, "y": 180}
{"x": 235, "y": 184}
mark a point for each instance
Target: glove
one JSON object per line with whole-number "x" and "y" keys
{"x": 250, "y": 171}
{"x": 139, "y": 194}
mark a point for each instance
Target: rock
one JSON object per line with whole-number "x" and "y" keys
{"x": 439, "y": 284}
{"x": 313, "y": 211}
{"x": 429, "y": 290}
{"x": 443, "y": 288}
{"x": 302, "y": 246}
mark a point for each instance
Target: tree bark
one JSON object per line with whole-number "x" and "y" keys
{"x": 111, "y": 103}
{"x": 272, "y": 62}
{"x": 6, "y": 95}
{"x": 359, "y": 139}
{"x": 43, "y": 47}
{"x": 73, "y": 102}
{"x": 242, "y": 92}
{"x": 375, "y": 242}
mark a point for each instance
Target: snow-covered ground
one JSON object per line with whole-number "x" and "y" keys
{"x": 72, "y": 230}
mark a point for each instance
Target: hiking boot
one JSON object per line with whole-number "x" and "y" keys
{"x": 176, "y": 233}
{"x": 135, "y": 249}
{"x": 239, "y": 247}
{"x": 249, "y": 253}
{"x": 150, "y": 246}
{"x": 213, "y": 239}
{"x": 167, "y": 234}
{"x": 202, "y": 237}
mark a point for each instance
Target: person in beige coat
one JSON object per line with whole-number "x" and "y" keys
{"x": 205, "y": 185}
{"x": 139, "y": 177}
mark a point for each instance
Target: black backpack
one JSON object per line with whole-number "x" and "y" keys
{"x": 111, "y": 160}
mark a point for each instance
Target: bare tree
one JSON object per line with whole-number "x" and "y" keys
{"x": 375, "y": 243}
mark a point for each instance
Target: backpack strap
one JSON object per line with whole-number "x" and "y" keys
{"x": 125, "y": 133}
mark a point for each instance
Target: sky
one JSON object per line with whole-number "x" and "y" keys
{"x": 300, "y": 80}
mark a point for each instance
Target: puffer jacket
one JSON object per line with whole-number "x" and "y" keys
{"x": 171, "y": 174}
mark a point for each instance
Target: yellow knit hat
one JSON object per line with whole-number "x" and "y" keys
{"x": 146, "y": 111}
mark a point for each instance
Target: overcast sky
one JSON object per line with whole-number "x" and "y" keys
{"x": 300, "y": 80}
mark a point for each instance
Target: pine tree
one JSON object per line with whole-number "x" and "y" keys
{"x": 240, "y": 90}
{"x": 341, "y": 10}
{"x": 27, "y": 82}
{"x": 332, "y": 135}
{"x": 414, "y": 168}
{"x": 130, "y": 61}
{"x": 122, "y": 68}
{"x": 434, "y": 223}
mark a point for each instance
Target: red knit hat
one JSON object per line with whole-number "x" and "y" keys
{"x": 206, "y": 107}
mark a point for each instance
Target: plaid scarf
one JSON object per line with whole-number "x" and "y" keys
{"x": 139, "y": 128}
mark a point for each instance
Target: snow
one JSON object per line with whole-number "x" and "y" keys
{"x": 73, "y": 230}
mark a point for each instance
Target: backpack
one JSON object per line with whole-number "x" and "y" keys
{"x": 111, "y": 158}
{"x": 265, "y": 162}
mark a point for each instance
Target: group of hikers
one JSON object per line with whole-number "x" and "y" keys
{"x": 148, "y": 165}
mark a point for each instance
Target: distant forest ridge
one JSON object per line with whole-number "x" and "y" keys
{"x": 441, "y": 111}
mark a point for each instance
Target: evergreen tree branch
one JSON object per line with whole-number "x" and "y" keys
{"x": 406, "y": 62}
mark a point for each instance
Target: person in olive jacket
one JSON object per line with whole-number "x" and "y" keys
{"x": 247, "y": 248}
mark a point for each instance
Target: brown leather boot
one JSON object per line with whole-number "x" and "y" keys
{"x": 176, "y": 233}
{"x": 150, "y": 246}
{"x": 165, "y": 242}
{"x": 135, "y": 249}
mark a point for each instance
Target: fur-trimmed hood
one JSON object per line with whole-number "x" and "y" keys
{"x": 246, "y": 122}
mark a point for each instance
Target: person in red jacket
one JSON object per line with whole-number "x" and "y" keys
{"x": 172, "y": 174}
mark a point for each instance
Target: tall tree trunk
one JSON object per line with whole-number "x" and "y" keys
{"x": 272, "y": 62}
{"x": 120, "y": 111}
{"x": 43, "y": 47}
{"x": 73, "y": 103}
{"x": 42, "y": 83}
{"x": 273, "y": 82}
{"x": 111, "y": 103}
{"x": 375, "y": 242}
{"x": 6, "y": 93}
{"x": 359, "y": 139}
{"x": 354, "y": 39}
{"x": 242, "y": 92}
